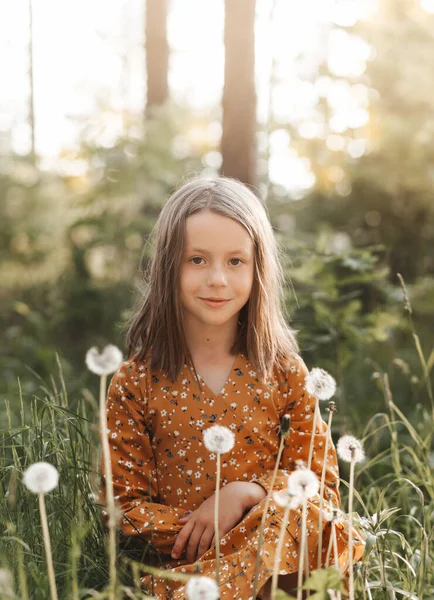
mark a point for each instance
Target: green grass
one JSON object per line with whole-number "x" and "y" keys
{"x": 395, "y": 483}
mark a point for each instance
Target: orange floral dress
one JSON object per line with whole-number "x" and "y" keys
{"x": 161, "y": 468}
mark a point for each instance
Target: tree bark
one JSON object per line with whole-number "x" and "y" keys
{"x": 238, "y": 144}
{"x": 157, "y": 53}
{"x": 31, "y": 87}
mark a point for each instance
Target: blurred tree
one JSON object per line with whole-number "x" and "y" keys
{"x": 31, "y": 86}
{"x": 239, "y": 96}
{"x": 157, "y": 53}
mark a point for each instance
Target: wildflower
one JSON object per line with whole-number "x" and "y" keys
{"x": 202, "y": 588}
{"x": 286, "y": 499}
{"x": 41, "y": 478}
{"x": 350, "y": 449}
{"x": 320, "y": 384}
{"x": 5, "y": 583}
{"x": 219, "y": 439}
{"x": 105, "y": 363}
{"x": 303, "y": 484}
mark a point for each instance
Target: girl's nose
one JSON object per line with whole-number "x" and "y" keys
{"x": 217, "y": 277}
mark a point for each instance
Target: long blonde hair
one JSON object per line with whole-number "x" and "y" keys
{"x": 157, "y": 326}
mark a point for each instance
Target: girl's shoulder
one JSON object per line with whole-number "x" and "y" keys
{"x": 132, "y": 373}
{"x": 290, "y": 366}
{"x": 289, "y": 375}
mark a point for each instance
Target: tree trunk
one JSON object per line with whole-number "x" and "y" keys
{"x": 31, "y": 87}
{"x": 157, "y": 53}
{"x": 238, "y": 145}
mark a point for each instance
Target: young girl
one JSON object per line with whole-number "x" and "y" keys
{"x": 209, "y": 345}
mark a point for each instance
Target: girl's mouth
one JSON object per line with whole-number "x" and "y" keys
{"x": 214, "y": 303}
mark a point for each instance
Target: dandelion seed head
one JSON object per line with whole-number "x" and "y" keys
{"x": 285, "y": 425}
{"x": 202, "y": 588}
{"x": 6, "y": 582}
{"x": 320, "y": 384}
{"x": 218, "y": 439}
{"x": 104, "y": 363}
{"x": 285, "y": 499}
{"x": 303, "y": 484}
{"x": 350, "y": 449}
{"x": 41, "y": 478}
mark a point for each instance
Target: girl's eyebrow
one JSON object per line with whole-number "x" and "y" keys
{"x": 201, "y": 251}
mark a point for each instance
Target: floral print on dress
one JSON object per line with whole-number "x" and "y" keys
{"x": 161, "y": 467}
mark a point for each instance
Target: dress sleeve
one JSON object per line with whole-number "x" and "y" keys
{"x": 300, "y": 406}
{"x": 135, "y": 480}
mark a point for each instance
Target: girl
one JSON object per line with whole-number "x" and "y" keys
{"x": 209, "y": 345}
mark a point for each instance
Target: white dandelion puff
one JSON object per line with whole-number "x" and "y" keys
{"x": 6, "y": 583}
{"x": 285, "y": 499}
{"x": 202, "y": 588}
{"x": 104, "y": 363}
{"x": 41, "y": 478}
{"x": 303, "y": 484}
{"x": 219, "y": 439}
{"x": 350, "y": 449}
{"x": 320, "y": 384}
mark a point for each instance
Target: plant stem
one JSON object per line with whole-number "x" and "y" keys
{"x": 216, "y": 523}
{"x": 109, "y": 485}
{"x": 350, "y": 532}
{"x": 321, "y": 490}
{"x": 312, "y": 437}
{"x": 47, "y": 545}
{"x": 264, "y": 515}
{"x": 301, "y": 551}
{"x": 275, "y": 576}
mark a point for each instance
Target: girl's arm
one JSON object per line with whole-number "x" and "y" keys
{"x": 134, "y": 471}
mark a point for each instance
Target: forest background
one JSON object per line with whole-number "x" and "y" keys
{"x": 336, "y": 135}
{"x": 324, "y": 108}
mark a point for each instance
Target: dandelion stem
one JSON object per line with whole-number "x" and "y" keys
{"x": 47, "y": 545}
{"x": 350, "y": 532}
{"x": 312, "y": 437}
{"x": 336, "y": 555}
{"x": 330, "y": 547}
{"x": 301, "y": 551}
{"x": 109, "y": 486}
{"x": 264, "y": 515}
{"x": 278, "y": 554}
{"x": 321, "y": 490}
{"x": 216, "y": 522}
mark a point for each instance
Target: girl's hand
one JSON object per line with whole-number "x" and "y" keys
{"x": 197, "y": 535}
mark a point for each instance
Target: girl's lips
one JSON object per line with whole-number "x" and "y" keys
{"x": 215, "y": 303}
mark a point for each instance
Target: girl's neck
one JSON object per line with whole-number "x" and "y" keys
{"x": 210, "y": 342}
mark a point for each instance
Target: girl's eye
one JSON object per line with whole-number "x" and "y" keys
{"x": 196, "y": 258}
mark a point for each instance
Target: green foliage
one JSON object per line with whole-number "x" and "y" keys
{"x": 74, "y": 241}
{"x": 395, "y": 496}
{"x": 323, "y": 582}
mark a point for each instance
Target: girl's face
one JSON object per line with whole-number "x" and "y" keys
{"x": 217, "y": 269}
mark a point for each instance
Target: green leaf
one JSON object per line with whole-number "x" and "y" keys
{"x": 281, "y": 595}
{"x": 322, "y": 580}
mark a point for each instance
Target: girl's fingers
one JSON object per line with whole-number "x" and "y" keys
{"x": 193, "y": 543}
{"x": 205, "y": 541}
{"x": 186, "y": 517}
{"x": 181, "y": 539}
